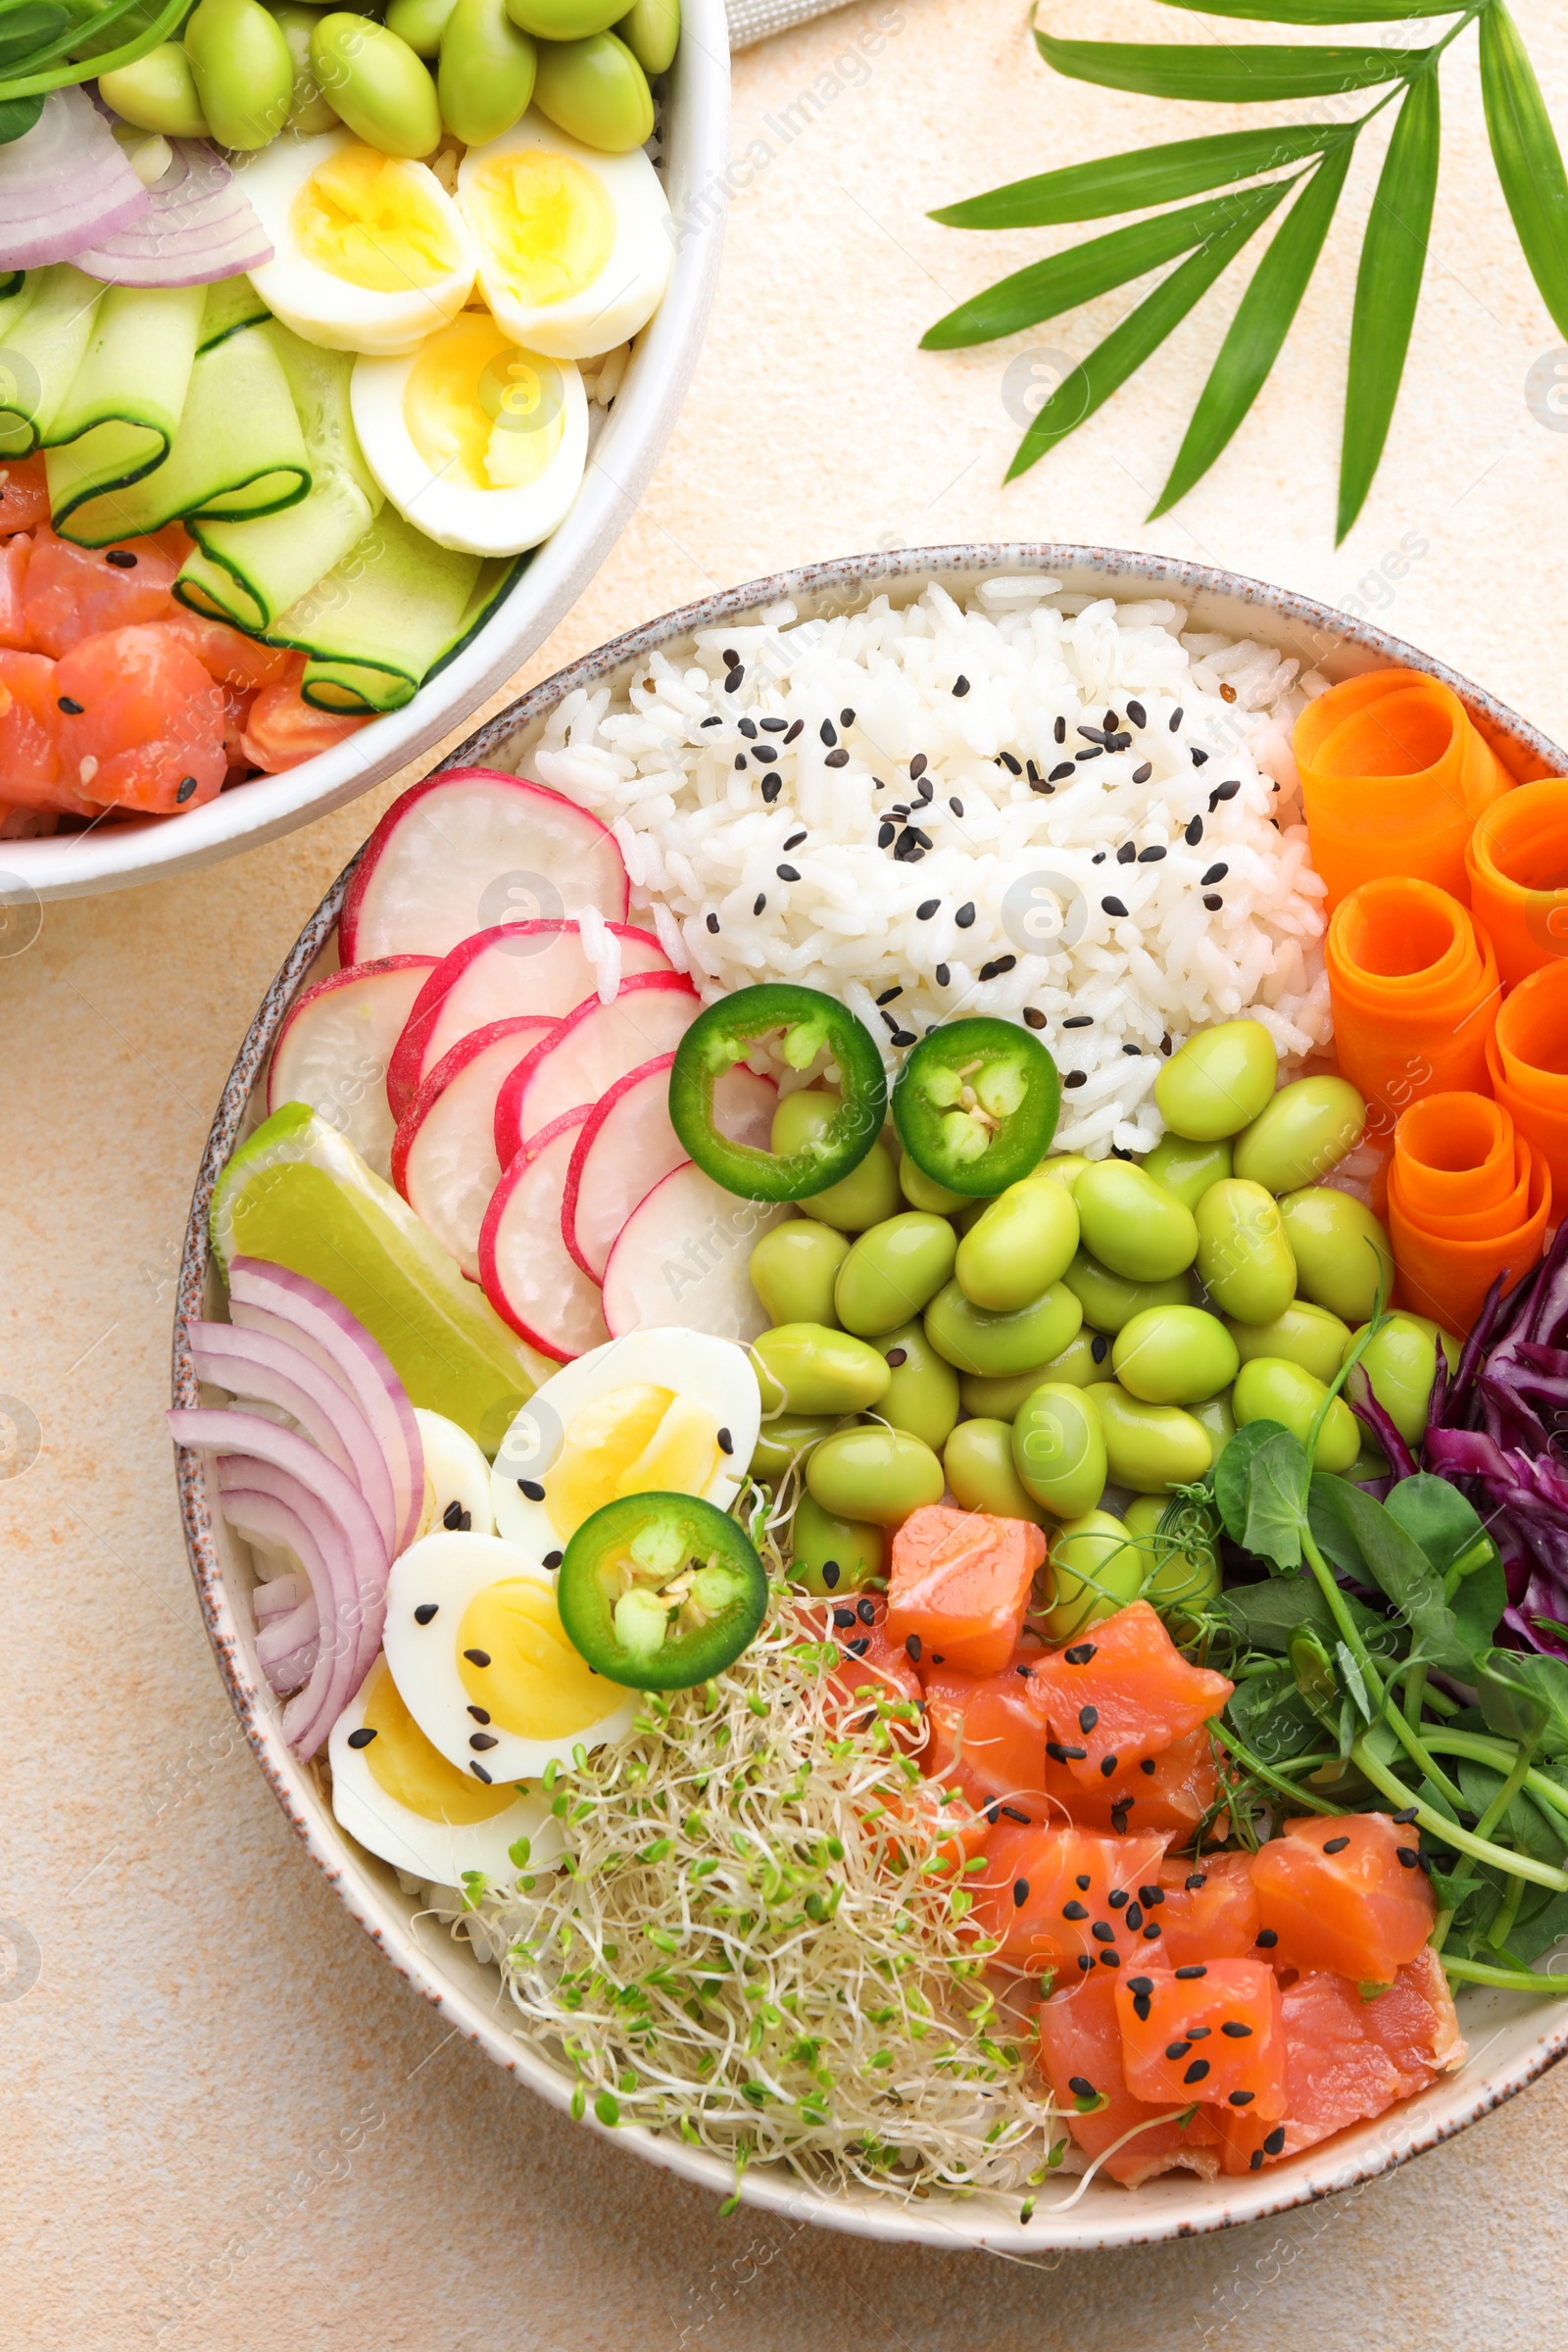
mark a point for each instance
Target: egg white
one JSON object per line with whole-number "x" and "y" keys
{"x": 455, "y": 1472}
{"x": 614, "y": 306}
{"x": 436, "y": 1850}
{"x": 715, "y": 1373}
{"x": 327, "y": 310}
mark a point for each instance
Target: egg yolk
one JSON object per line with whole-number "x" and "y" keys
{"x": 375, "y": 221}
{"x": 404, "y": 1766}
{"x": 533, "y": 1682}
{"x": 546, "y": 222}
{"x": 481, "y": 411}
{"x": 639, "y": 1440}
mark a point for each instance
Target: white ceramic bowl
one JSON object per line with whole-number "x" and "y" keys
{"x": 1512, "y": 2038}
{"x": 697, "y": 154}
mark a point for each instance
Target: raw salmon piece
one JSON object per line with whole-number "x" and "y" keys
{"x": 229, "y": 655}
{"x": 141, "y": 723}
{"x": 23, "y": 493}
{"x": 1080, "y": 2057}
{"x": 1211, "y": 2029}
{"x": 29, "y": 739}
{"x": 986, "y": 1729}
{"x": 283, "y": 730}
{"x": 1210, "y": 1910}
{"x": 1063, "y": 1899}
{"x": 1345, "y": 1892}
{"x": 1171, "y": 1791}
{"x": 1122, "y": 1692}
{"x": 13, "y": 590}
{"x": 960, "y": 1582}
{"x": 77, "y": 592}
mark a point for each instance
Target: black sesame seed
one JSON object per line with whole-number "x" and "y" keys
{"x": 1131, "y": 1048}
{"x": 1406, "y": 1816}
{"x": 425, "y": 1611}
{"x": 1056, "y": 775}
{"x": 121, "y": 558}
{"x": 732, "y": 683}
{"x": 1138, "y": 714}
{"x": 1093, "y": 751}
{"x": 477, "y": 1657}
{"x": 480, "y": 1714}
{"x": 888, "y": 993}
{"x": 1117, "y": 1898}
{"x": 1059, "y": 730}
{"x": 1103, "y": 1931}
{"x": 1151, "y": 1930}
{"x": 1094, "y": 735}
{"x": 1086, "y": 1959}
{"x": 1081, "y": 2087}
{"x": 956, "y": 807}
{"x": 773, "y": 726}
{"x": 965, "y": 914}
{"x": 552, "y": 1559}
{"x": 483, "y": 1740}
{"x": 1020, "y": 1894}
{"x": 786, "y": 873}
{"x": 479, "y": 1770}
{"x": 1254, "y": 2162}
{"x": 1274, "y": 2144}
{"x": 925, "y": 791}
{"x": 1198, "y": 2033}
{"x": 759, "y": 902}
{"x": 188, "y": 784}
{"x": 838, "y": 758}
{"x": 1074, "y": 1911}
{"x": 907, "y": 1036}
{"x": 1242, "y": 2098}
{"x": 1076, "y": 1078}
{"x": 844, "y": 1619}
{"x": 1150, "y": 1895}
{"x": 960, "y": 687}
{"x": 1111, "y": 1959}
{"x": 1127, "y": 853}
{"x": 1088, "y": 1717}
{"x": 1141, "y": 2006}
{"x": 772, "y": 786}
{"x": 1227, "y": 790}
{"x": 1147, "y": 1764}
{"x": 714, "y": 721}
{"x": 748, "y": 728}
{"x": 725, "y": 1441}
{"x": 1267, "y": 1939}
{"x": 884, "y": 834}
{"x": 712, "y": 922}
{"x": 1113, "y": 906}
{"x": 1199, "y": 758}
{"x": 1014, "y": 1813}
{"x": 796, "y": 728}
{"x": 1099, "y": 1347}
{"x": 859, "y": 1648}
{"x": 1079, "y": 1020}
{"x": 926, "y": 909}
{"x": 1409, "y": 1856}
{"x": 1152, "y": 855}
{"x": 1175, "y": 2050}
{"x": 764, "y": 752}
{"x": 828, "y": 732}
{"x": 72, "y": 710}
{"x": 997, "y": 966}
{"x": 1141, "y": 775}
{"x": 1235, "y": 2030}
{"x": 1014, "y": 766}
{"x": 1134, "y": 1916}
{"x": 1200, "y": 1877}
{"x": 456, "y": 1520}
{"x": 1215, "y": 873}
{"x": 1335, "y": 1845}
{"x": 1197, "y": 2071}
{"x": 944, "y": 979}
{"x": 1194, "y": 833}
{"x": 1080, "y": 1653}
{"x": 532, "y": 1489}
{"x": 830, "y": 1573}
{"x": 846, "y": 718}
{"x": 1107, "y": 1766}
{"x": 1198, "y": 1968}
{"x": 865, "y": 1610}
{"x": 1062, "y": 1754}
{"x": 1165, "y": 1045}
{"x": 793, "y": 841}
{"x": 911, "y": 1649}
{"x": 739, "y": 762}
{"x": 362, "y": 1737}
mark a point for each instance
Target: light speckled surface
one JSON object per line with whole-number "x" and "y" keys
{"x": 227, "y": 2125}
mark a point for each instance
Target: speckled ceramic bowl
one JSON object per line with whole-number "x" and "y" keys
{"x": 1512, "y": 2039}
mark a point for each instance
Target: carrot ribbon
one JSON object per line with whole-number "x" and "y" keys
{"x": 1527, "y": 1067}
{"x": 1469, "y": 1199}
{"x": 1414, "y": 990}
{"x": 1517, "y": 863}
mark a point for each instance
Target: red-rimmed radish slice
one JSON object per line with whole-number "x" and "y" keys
{"x": 528, "y": 1277}
{"x": 335, "y": 1047}
{"x": 443, "y": 1154}
{"x": 543, "y": 970}
{"x": 591, "y": 1050}
{"x": 627, "y": 1145}
{"x": 683, "y": 1256}
{"x": 470, "y": 848}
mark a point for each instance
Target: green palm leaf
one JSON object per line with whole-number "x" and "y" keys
{"x": 1235, "y": 74}
{"x": 1322, "y": 11}
{"x": 1528, "y": 158}
{"x": 1261, "y": 325}
{"x": 1131, "y": 184}
{"x": 1388, "y": 288}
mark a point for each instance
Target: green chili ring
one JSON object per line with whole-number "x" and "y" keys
{"x": 1003, "y": 1130}
{"x": 725, "y": 1035}
{"x": 659, "y": 1592}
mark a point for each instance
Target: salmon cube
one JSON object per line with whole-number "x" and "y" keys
{"x": 959, "y": 1585}
{"x": 1172, "y": 1791}
{"x": 76, "y": 592}
{"x": 1209, "y": 1909}
{"x": 1345, "y": 1892}
{"x": 1063, "y": 1900}
{"x": 1211, "y": 2029}
{"x": 23, "y": 493}
{"x": 13, "y": 591}
{"x": 1080, "y": 2057}
{"x": 1122, "y": 1692}
{"x": 141, "y": 722}
{"x": 985, "y": 1736}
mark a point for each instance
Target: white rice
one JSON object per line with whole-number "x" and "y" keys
{"x": 1034, "y": 866}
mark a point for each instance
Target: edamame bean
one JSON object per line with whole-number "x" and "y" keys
{"x": 1023, "y": 1242}
{"x": 793, "y": 1269}
{"x": 923, "y": 1192}
{"x": 1066, "y": 1168}
{"x": 999, "y": 1400}
{"x": 486, "y": 74}
{"x": 1132, "y": 1224}
{"x": 563, "y": 19}
{"x": 832, "y": 1554}
{"x": 1299, "y": 1137}
{"x": 1175, "y": 1581}
{"x": 383, "y": 92}
{"x": 868, "y": 1193}
{"x": 243, "y": 71}
{"x": 1270, "y": 1389}
{"x": 978, "y": 1461}
{"x": 652, "y": 32}
{"x": 158, "y": 93}
{"x": 308, "y": 112}
{"x": 1092, "y": 1569}
{"x": 1058, "y": 1449}
{"x": 1341, "y": 1252}
{"x": 1214, "y": 1412}
{"x": 805, "y": 1368}
{"x": 1303, "y": 1333}
{"x": 1109, "y": 1301}
{"x": 1150, "y": 1447}
{"x": 974, "y": 1340}
{"x": 1399, "y": 1362}
{"x": 1186, "y": 1168}
{"x": 784, "y": 1442}
{"x": 892, "y": 1271}
{"x": 922, "y": 1395}
{"x": 419, "y": 22}
{"x": 873, "y": 1473}
{"x": 1219, "y": 1082}
{"x": 1243, "y": 1259}
{"x": 1174, "y": 1355}
{"x": 597, "y": 91}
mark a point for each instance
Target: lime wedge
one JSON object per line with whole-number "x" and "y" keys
{"x": 297, "y": 1193}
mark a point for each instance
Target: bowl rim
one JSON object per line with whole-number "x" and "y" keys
{"x": 1161, "y": 2210}
{"x": 697, "y": 157}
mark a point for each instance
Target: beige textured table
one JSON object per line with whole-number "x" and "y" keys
{"x": 226, "y": 2126}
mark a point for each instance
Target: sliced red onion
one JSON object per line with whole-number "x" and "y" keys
{"x": 250, "y": 1363}
{"x": 199, "y": 226}
{"x": 287, "y": 1648}
{"x": 261, "y": 1511}
{"x": 329, "y": 1332}
{"x": 278, "y": 1595}
{"x": 64, "y": 183}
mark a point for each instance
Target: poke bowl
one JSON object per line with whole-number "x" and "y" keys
{"x": 653, "y": 1356}
{"x": 336, "y": 477}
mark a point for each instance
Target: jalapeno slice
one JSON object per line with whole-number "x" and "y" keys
{"x": 661, "y": 1590}
{"x": 725, "y": 1033}
{"x": 976, "y": 1104}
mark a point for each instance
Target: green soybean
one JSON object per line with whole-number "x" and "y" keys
{"x": 975, "y": 1340}
{"x": 784, "y": 1442}
{"x": 922, "y": 1395}
{"x": 1303, "y": 1333}
{"x": 833, "y": 1554}
{"x": 999, "y": 1400}
{"x": 1341, "y": 1252}
{"x": 1109, "y": 1301}
{"x": 1399, "y": 1362}
{"x": 419, "y": 22}
{"x": 1023, "y": 1241}
{"x": 807, "y": 1368}
{"x": 1270, "y": 1389}
{"x": 1215, "y": 1415}
{"x": 979, "y": 1466}
{"x": 1186, "y": 1168}
{"x": 892, "y": 1271}
{"x": 308, "y": 112}
{"x": 597, "y": 91}
{"x": 1219, "y": 1082}
{"x": 243, "y": 71}
{"x": 652, "y": 32}
{"x": 1066, "y": 1168}
{"x": 794, "y": 1267}
{"x": 1304, "y": 1130}
{"x": 866, "y": 1196}
{"x": 1243, "y": 1259}
{"x": 1150, "y": 1447}
{"x": 158, "y": 93}
{"x": 1176, "y": 1581}
{"x": 1058, "y": 1449}
{"x": 563, "y": 19}
{"x": 1092, "y": 1569}
{"x": 486, "y": 74}
{"x": 1174, "y": 1355}
{"x": 876, "y": 1473}
{"x": 382, "y": 90}
{"x": 923, "y": 1192}
{"x": 1132, "y": 1224}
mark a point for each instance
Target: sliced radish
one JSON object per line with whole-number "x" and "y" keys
{"x": 627, "y": 1144}
{"x": 443, "y": 1154}
{"x": 528, "y": 1277}
{"x": 470, "y": 848}
{"x": 335, "y": 1047}
{"x": 683, "y": 1256}
{"x": 542, "y": 970}
{"x": 590, "y": 1051}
